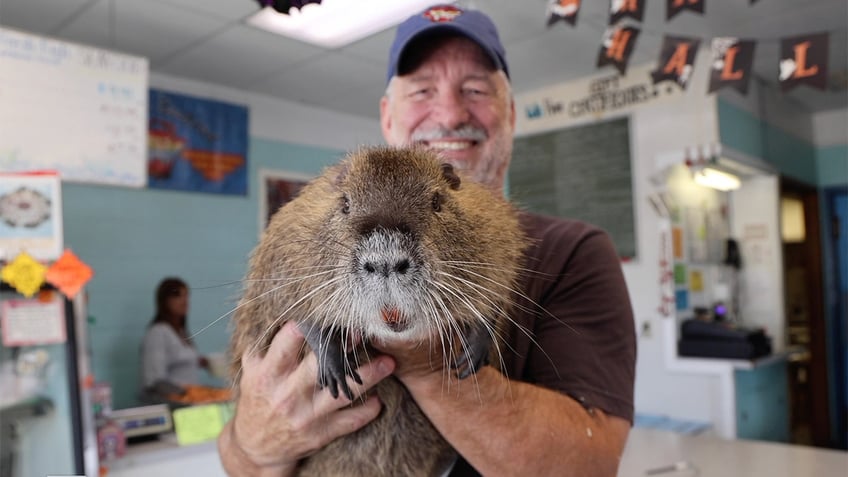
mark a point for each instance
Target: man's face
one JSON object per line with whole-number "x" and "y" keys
{"x": 454, "y": 103}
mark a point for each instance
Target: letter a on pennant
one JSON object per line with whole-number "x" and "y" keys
{"x": 677, "y": 60}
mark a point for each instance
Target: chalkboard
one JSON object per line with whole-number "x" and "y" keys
{"x": 79, "y": 110}
{"x": 581, "y": 173}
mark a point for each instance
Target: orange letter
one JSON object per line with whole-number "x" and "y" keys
{"x": 619, "y": 43}
{"x": 801, "y": 69}
{"x": 678, "y": 59}
{"x": 727, "y": 72}
{"x": 629, "y": 6}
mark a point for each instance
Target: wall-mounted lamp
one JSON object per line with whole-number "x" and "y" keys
{"x": 335, "y": 23}
{"x": 710, "y": 177}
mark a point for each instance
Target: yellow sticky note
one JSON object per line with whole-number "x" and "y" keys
{"x": 696, "y": 281}
{"x": 25, "y": 274}
{"x": 196, "y": 424}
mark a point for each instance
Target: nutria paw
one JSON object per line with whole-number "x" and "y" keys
{"x": 333, "y": 365}
{"x": 474, "y": 354}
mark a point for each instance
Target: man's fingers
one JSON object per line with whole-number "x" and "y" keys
{"x": 370, "y": 372}
{"x": 284, "y": 353}
{"x": 353, "y": 418}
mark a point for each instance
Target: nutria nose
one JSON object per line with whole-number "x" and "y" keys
{"x": 386, "y": 267}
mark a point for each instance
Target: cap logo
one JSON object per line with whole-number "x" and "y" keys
{"x": 442, "y": 14}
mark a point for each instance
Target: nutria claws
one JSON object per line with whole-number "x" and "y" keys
{"x": 333, "y": 366}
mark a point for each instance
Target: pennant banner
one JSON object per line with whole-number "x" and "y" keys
{"x": 732, "y": 60}
{"x": 803, "y": 60}
{"x": 619, "y": 9}
{"x": 673, "y": 7}
{"x": 617, "y": 46}
{"x": 677, "y": 60}
{"x": 565, "y": 10}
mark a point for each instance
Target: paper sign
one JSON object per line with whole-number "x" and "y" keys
{"x": 196, "y": 424}
{"x": 696, "y": 281}
{"x": 679, "y": 274}
{"x": 30, "y": 213}
{"x": 677, "y": 242}
{"x": 69, "y": 274}
{"x": 24, "y": 274}
{"x": 33, "y": 322}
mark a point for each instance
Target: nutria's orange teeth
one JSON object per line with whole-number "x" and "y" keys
{"x": 390, "y": 315}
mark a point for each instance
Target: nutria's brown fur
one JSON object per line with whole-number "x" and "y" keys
{"x": 388, "y": 244}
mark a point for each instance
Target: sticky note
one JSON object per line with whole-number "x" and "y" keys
{"x": 24, "y": 274}
{"x": 196, "y": 424}
{"x": 69, "y": 274}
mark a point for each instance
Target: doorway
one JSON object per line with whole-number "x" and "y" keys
{"x": 806, "y": 328}
{"x": 836, "y": 200}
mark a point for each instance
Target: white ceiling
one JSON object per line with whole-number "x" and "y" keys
{"x": 209, "y": 41}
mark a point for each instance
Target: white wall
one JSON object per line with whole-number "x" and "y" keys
{"x": 756, "y": 222}
{"x": 285, "y": 121}
{"x": 661, "y": 132}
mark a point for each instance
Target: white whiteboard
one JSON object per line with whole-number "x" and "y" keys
{"x": 79, "y": 110}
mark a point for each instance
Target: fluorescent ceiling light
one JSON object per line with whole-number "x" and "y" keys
{"x": 716, "y": 179}
{"x": 335, "y": 23}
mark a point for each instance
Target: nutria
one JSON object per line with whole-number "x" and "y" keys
{"x": 389, "y": 244}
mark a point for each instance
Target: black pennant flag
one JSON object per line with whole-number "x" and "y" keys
{"x": 565, "y": 10}
{"x": 619, "y": 9}
{"x": 677, "y": 60}
{"x": 617, "y": 46}
{"x": 732, "y": 59}
{"x": 803, "y": 60}
{"x": 283, "y": 6}
{"x": 673, "y": 7}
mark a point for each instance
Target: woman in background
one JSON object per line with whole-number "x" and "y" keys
{"x": 169, "y": 359}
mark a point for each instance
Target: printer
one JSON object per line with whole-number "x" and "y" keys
{"x": 720, "y": 339}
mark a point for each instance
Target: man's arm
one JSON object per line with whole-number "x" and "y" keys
{"x": 504, "y": 427}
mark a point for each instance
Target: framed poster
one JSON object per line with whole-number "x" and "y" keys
{"x": 31, "y": 215}
{"x": 275, "y": 189}
{"x": 196, "y": 144}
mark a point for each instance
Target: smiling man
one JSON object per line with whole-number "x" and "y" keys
{"x": 563, "y": 403}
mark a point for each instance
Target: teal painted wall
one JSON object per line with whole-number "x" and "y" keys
{"x": 132, "y": 238}
{"x": 832, "y": 165}
{"x": 792, "y": 156}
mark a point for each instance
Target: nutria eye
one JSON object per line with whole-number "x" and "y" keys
{"x": 437, "y": 202}
{"x": 345, "y": 205}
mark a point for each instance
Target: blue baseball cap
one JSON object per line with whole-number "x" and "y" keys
{"x": 471, "y": 24}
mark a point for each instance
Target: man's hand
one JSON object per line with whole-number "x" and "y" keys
{"x": 282, "y": 416}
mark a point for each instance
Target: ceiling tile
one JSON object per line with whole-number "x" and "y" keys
{"x": 38, "y": 16}
{"x": 90, "y": 28}
{"x": 322, "y": 77}
{"x": 360, "y": 102}
{"x": 155, "y": 29}
{"x": 223, "y": 9}
{"x": 238, "y": 56}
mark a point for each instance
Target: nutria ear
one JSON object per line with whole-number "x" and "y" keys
{"x": 450, "y": 176}
{"x": 342, "y": 171}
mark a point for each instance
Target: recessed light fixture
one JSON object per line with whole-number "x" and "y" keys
{"x": 710, "y": 177}
{"x": 335, "y": 23}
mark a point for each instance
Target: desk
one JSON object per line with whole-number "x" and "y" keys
{"x": 646, "y": 449}
{"x": 712, "y": 456}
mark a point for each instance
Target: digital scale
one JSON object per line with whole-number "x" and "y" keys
{"x": 144, "y": 420}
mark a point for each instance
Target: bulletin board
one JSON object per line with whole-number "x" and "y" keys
{"x": 79, "y": 110}
{"x": 582, "y": 173}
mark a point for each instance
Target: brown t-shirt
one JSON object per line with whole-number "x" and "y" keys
{"x": 578, "y": 313}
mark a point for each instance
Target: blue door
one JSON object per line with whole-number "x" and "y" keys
{"x": 839, "y": 327}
